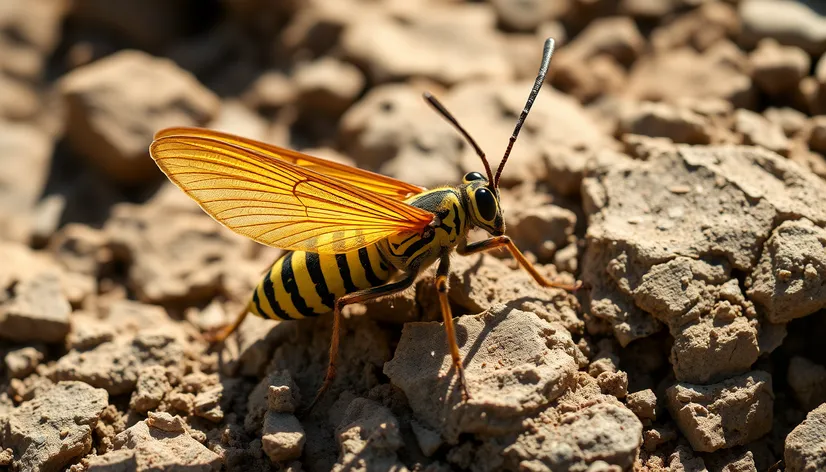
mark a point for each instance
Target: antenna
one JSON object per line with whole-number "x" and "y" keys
{"x": 540, "y": 78}
{"x": 437, "y": 105}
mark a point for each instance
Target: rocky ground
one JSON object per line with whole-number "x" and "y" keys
{"x": 674, "y": 163}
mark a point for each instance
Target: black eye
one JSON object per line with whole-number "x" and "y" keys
{"x": 471, "y": 176}
{"x": 486, "y": 203}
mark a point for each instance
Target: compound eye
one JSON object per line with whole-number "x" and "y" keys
{"x": 471, "y": 176}
{"x": 485, "y": 203}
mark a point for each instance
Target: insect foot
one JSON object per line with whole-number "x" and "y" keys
{"x": 539, "y": 362}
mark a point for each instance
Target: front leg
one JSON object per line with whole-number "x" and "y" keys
{"x": 442, "y": 288}
{"x": 499, "y": 241}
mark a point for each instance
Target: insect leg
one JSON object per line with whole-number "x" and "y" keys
{"x": 223, "y": 333}
{"x": 499, "y": 241}
{"x": 442, "y": 288}
{"x": 341, "y": 302}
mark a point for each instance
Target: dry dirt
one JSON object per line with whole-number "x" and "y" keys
{"x": 674, "y": 162}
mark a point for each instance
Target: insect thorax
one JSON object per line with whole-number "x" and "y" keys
{"x": 412, "y": 251}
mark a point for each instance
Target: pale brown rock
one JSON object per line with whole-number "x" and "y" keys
{"x": 24, "y": 151}
{"x": 368, "y": 434}
{"x": 277, "y": 392}
{"x": 327, "y": 86}
{"x": 789, "y": 23}
{"x": 595, "y": 429}
{"x": 788, "y": 279}
{"x": 630, "y": 236}
{"x": 176, "y": 252}
{"x": 643, "y": 403}
{"x": 80, "y": 248}
{"x": 558, "y": 124}
{"x": 700, "y": 28}
{"x": 661, "y": 120}
{"x": 648, "y": 8}
{"x": 6, "y": 457}
{"x": 422, "y": 368}
{"x": 37, "y": 311}
{"x": 613, "y": 383}
{"x": 393, "y": 131}
{"x": 817, "y": 134}
{"x": 236, "y": 118}
{"x": 283, "y": 436}
{"x": 270, "y": 92}
{"x": 680, "y": 73}
{"x": 150, "y": 389}
{"x": 539, "y": 227}
{"x": 617, "y": 37}
{"x": 446, "y": 43}
{"x": 480, "y": 282}
{"x": 54, "y": 428}
{"x": 778, "y": 69}
{"x": 790, "y": 120}
{"x": 806, "y": 444}
{"x": 808, "y": 382}
{"x": 521, "y": 15}
{"x": 759, "y": 131}
{"x": 731, "y": 413}
{"x": 22, "y": 362}
{"x": 208, "y": 404}
{"x": 116, "y": 365}
{"x": 159, "y": 442}
{"x": 116, "y": 105}
{"x": 88, "y": 331}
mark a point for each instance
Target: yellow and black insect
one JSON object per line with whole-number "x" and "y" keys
{"x": 353, "y": 235}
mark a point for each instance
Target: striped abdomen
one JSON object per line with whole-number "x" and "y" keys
{"x": 303, "y": 284}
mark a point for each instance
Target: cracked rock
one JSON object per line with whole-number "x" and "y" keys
{"x": 161, "y": 442}
{"x": 515, "y": 363}
{"x": 651, "y": 260}
{"x": 790, "y": 278}
{"x": 806, "y": 444}
{"x": 731, "y": 413}
{"x": 150, "y": 389}
{"x": 583, "y": 430}
{"x": 49, "y": 431}
{"x": 22, "y": 362}
{"x": 116, "y": 365}
{"x": 37, "y": 311}
{"x": 368, "y": 437}
{"x": 115, "y": 106}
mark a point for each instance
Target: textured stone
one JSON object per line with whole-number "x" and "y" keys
{"x": 534, "y": 362}
{"x": 806, "y": 444}
{"x": 161, "y": 442}
{"x": 55, "y": 428}
{"x": 731, "y": 413}
{"x": 38, "y": 310}
{"x": 116, "y": 105}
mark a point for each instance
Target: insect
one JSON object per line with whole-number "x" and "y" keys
{"x": 354, "y": 235}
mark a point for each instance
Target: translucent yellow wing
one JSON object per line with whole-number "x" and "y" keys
{"x": 364, "y": 179}
{"x": 278, "y": 203}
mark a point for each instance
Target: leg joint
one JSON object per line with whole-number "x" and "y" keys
{"x": 441, "y": 284}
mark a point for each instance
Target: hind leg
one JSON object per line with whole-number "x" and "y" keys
{"x": 341, "y": 302}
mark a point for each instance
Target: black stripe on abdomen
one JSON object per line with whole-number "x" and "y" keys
{"x": 344, "y": 270}
{"x": 364, "y": 259}
{"x": 313, "y": 261}
{"x": 288, "y": 279}
{"x": 269, "y": 292}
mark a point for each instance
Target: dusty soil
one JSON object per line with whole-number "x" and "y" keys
{"x": 674, "y": 162}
